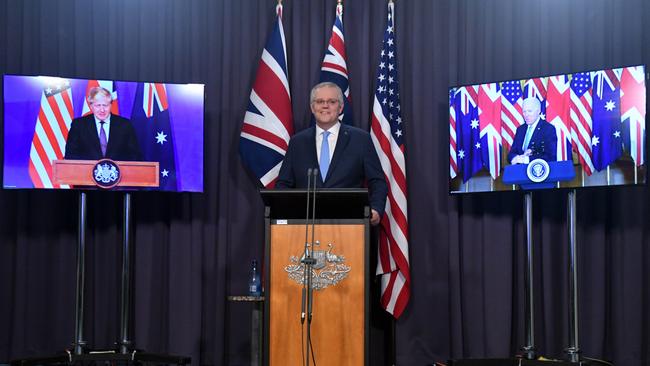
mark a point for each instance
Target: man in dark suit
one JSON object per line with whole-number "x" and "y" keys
{"x": 102, "y": 134}
{"x": 535, "y": 139}
{"x": 344, "y": 155}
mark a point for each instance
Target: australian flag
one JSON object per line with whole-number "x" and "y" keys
{"x": 606, "y": 140}
{"x": 150, "y": 117}
{"x": 469, "y": 147}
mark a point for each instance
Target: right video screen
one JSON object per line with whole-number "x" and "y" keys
{"x": 587, "y": 128}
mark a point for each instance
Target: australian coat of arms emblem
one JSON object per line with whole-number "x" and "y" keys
{"x": 328, "y": 270}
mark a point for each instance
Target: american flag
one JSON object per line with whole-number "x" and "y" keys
{"x": 51, "y": 132}
{"x": 106, "y": 84}
{"x": 558, "y": 102}
{"x": 511, "y": 112}
{"x": 388, "y": 137}
{"x": 581, "y": 123}
{"x": 489, "y": 103}
{"x": 606, "y": 139}
{"x": 633, "y": 111}
{"x": 453, "y": 159}
{"x": 268, "y": 123}
{"x": 334, "y": 68}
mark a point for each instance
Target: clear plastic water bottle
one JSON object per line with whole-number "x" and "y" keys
{"x": 254, "y": 281}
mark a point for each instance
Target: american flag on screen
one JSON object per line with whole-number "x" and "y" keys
{"x": 106, "y": 84}
{"x": 581, "y": 123}
{"x": 558, "y": 103}
{"x": 511, "y": 112}
{"x": 386, "y": 130}
{"x": 606, "y": 139}
{"x": 489, "y": 102}
{"x": 51, "y": 132}
{"x": 268, "y": 123}
{"x": 334, "y": 67}
{"x": 633, "y": 111}
{"x": 453, "y": 159}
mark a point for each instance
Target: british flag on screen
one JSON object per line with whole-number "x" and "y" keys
{"x": 51, "y": 132}
{"x": 334, "y": 67}
{"x": 387, "y": 132}
{"x": 268, "y": 123}
{"x": 558, "y": 103}
{"x": 633, "y": 111}
{"x": 489, "y": 102}
{"x": 581, "y": 123}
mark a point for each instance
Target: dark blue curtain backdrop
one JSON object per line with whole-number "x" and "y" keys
{"x": 193, "y": 250}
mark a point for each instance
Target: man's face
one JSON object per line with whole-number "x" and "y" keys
{"x": 326, "y": 107}
{"x": 531, "y": 112}
{"x": 101, "y": 106}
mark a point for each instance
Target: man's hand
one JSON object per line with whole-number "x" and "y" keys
{"x": 521, "y": 159}
{"x": 374, "y": 217}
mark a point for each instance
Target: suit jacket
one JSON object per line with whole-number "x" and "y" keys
{"x": 354, "y": 163}
{"x": 543, "y": 142}
{"x": 83, "y": 141}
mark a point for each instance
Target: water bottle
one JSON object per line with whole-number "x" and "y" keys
{"x": 254, "y": 281}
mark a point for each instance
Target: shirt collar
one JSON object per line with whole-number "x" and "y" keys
{"x": 107, "y": 120}
{"x": 334, "y": 130}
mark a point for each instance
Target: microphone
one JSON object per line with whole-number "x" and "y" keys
{"x": 310, "y": 172}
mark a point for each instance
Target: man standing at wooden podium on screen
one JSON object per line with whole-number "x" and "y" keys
{"x": 344, "y": 155}
{"x": 534, "y": 139}
{"x": 101, "y": 134}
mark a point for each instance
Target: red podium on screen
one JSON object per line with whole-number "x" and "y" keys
{"x": 80, "y": 173}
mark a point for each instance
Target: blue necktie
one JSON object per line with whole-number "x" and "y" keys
{"x": 529, "y": 134}
{"x": 325, "y": 155}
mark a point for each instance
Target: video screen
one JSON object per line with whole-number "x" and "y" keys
{"x": 563, "y": 131}
{"x": 62, "y": 133}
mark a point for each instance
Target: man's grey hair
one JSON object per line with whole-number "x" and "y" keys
{"x": 533, "y": 102}
{"x": 92, "y": 93}
{"x": 325, "y": 84}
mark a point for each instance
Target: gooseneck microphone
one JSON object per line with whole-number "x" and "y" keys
{"x": 306, "y": 249}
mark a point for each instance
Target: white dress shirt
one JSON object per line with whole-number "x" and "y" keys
{"x": 331, "y": 139}
{"x": 107, "y": 126}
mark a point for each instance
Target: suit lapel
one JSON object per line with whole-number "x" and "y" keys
{"x": 92, "y": 131}
{"x": 341, "y": 143}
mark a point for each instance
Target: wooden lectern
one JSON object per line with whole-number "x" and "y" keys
{"x": 80, "y": 173}
{"x": 340, "y": 324}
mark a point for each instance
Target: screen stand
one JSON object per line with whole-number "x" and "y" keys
{"x": 573, "y": 351}
{"x": 124, "y": 342}
{"x": 529, "y": 348}
{"x": 79, "y": 343}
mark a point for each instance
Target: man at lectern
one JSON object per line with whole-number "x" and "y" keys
{"x": 344, "y": 155}
{"x": 101, "y": 134}
{"x": 534, "y": 139}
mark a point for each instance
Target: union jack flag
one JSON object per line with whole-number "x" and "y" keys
{"x": 453, "y": 160}
{"x": 334, "y": 68}
{"x": 511, "y": 113}
{"x": 268, "y": 123}
{"x": 489, "y": 102}
{"x": 51, "y": 132}
{"x": 558, "y": 102}
{"x": 388, "y": 137}
{"x": 106, "y": 84}
{"x": 633, "y": 111}
{"x": 581, "y": 123}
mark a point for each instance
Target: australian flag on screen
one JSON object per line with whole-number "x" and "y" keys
{"x": 469, "y": 156}
{"x": 606, "y": 141}
{"x": 150, "y": 117}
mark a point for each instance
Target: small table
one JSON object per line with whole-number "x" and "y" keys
{"x": 257, "y": 319}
